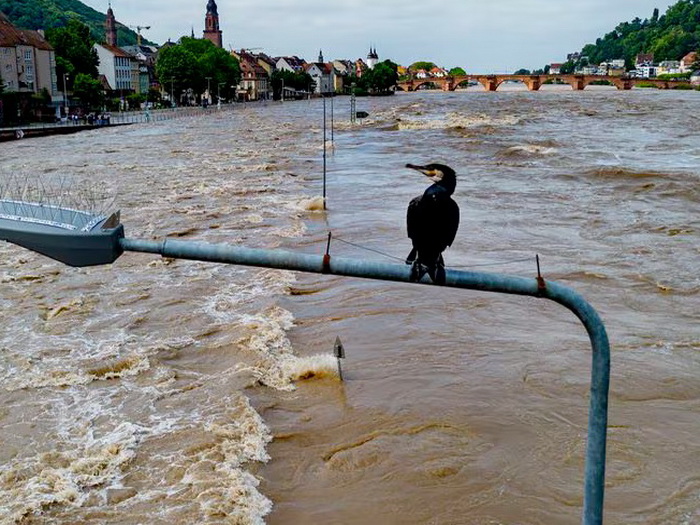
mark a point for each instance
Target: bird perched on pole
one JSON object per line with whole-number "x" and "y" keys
{"x": 432, "y": 221}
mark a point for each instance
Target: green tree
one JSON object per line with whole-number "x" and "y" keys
{"x": 88, "y": 91}
{"x": 672, "y": 45}
{"x": 74, "y": 52}
{"x": 670, "y": 36}
{"x": 567, "y": 68}
{"x": 177, "y": 67}
{"x": 381, "y": 78}
{"x": 188, "y": 64}
{"x": 289, "y": 79}
{"x": 457, "y": 72}
{"x": 421, "y": 65}
{"x": 522, "y": 71}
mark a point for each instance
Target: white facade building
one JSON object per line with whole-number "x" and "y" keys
{"x": 116, "y": 65}
{"x": 322, "y": 76}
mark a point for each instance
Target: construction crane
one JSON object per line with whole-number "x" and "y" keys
{"x": 138, "y": 32}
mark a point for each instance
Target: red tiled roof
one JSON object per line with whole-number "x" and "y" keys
{"x": 116, "y": 51}
{"x": 325, "y": 68}
{"x": 689, "y": 58}
{"x": 10, "y": 36}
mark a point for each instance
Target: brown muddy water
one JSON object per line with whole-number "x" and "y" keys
{"x": 164, "y": 391}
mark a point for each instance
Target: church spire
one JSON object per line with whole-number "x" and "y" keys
{"x": 320, "y": 56}
{"x": 211, "y": 24}
{"x": 110, "y": 27}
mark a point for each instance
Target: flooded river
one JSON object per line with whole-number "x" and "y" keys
{"x": 165, "y": 391}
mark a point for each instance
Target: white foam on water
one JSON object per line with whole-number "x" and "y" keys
{"x": 275, "y": 363}
{"x": 452, "y": 120}
{"x": 529, "y": 150}
{"x": 311, "y": 204}
{"x": 65, "y": 477}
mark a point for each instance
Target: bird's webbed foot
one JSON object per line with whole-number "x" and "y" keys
{"x": 417, "y": 272}
{"x": 437, "y": 272}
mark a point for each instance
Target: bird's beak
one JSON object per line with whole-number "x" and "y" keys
{"x": 432, "y": 174}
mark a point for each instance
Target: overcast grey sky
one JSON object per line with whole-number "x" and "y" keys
{"x": 482, "y": 36}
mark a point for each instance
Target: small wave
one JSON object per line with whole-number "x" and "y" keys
{"x": 456, "y": 121}
{"x": 64, "y": 477}
{"x": 77, "y": 305}
{"x": 275, "y": 364}
{"x": 527, "y": 150}
{"x": 34, "y": 377}
{"x": 618, "y": 172}
{"x": 321, "y": 366}
{"x": 582, "y": 275}
{"x": 312, "y": 204}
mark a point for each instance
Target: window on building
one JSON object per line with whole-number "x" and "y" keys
{"x": 28, "y": 55}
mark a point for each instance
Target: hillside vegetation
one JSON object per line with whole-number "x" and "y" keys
{"x": 47, "y": 14}
{"x": 669, "y": 37}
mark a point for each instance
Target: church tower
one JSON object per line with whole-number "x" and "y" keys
{"x": 372, "y": 58}
{"x": 110, "y": 27}
{"x": 211, "y": 24}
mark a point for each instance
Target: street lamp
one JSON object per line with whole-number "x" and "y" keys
{"x": 65, "y": 94}
{"x": 218, "y": 95}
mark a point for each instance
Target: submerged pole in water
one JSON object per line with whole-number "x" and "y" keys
{"x": 324, "y": 151}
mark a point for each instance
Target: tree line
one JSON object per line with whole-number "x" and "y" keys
{"x": 669, "y": 37}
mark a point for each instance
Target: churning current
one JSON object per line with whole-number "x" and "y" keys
{"x": 165, "y": 391}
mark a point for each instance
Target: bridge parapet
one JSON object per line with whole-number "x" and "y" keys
{"x": 577, "y": 82}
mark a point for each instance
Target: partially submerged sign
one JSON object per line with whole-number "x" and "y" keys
{"x": 339, "y": 352}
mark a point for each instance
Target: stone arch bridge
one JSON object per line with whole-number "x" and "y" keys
{"x": 533, "y": 82}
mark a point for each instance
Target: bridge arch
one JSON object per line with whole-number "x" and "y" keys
{"x": 436, "y": 82}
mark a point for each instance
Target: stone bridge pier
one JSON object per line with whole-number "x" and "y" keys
{"x": 533, "y": 83}
{"x": 490, "y": 82}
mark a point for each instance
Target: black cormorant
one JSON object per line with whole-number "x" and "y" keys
{"x": 432, "y": 221}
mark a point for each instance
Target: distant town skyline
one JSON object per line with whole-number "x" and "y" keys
{"x": 483, "y": 37}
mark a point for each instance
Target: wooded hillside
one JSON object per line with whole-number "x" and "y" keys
{"x": 669, "y": 36}
{"x": 47, "y": 14}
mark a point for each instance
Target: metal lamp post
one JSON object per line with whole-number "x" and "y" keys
{"x": 218, "y": 94}
{"x": 65, "y": 94}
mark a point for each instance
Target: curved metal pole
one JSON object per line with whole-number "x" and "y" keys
{"x": 594, "y": 475}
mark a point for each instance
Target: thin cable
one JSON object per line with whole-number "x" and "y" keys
{"x": 450, "y": 266}
{"x": 368, "y": 249}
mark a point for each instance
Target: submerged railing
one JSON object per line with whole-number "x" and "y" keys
{"x": 106, "y": 242}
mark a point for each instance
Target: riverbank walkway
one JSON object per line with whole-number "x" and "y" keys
{"x": 121, "y": 118}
